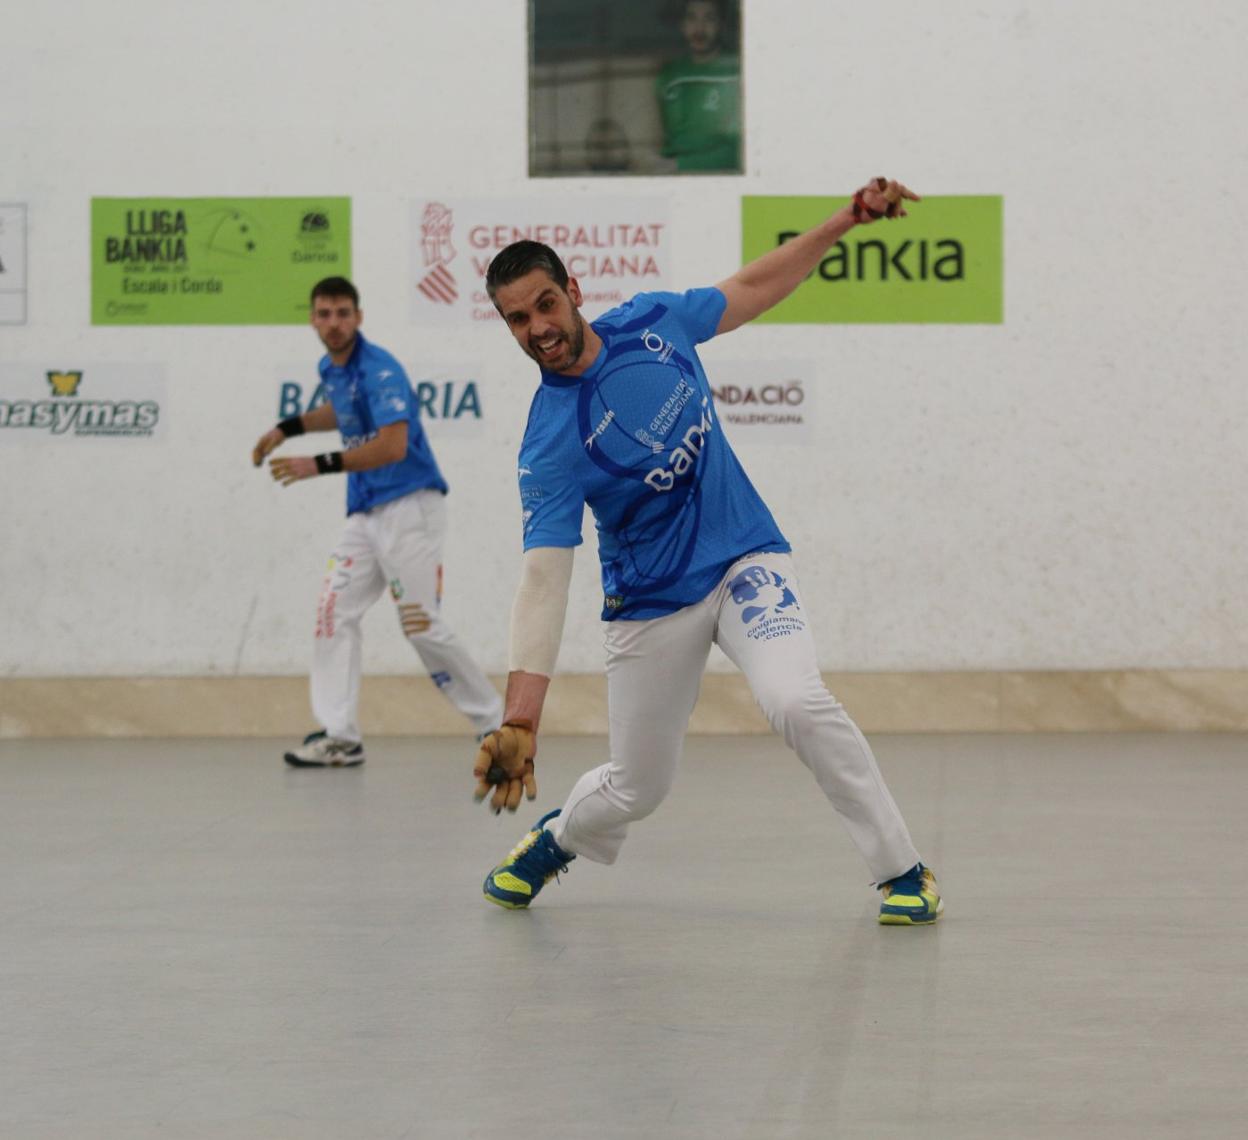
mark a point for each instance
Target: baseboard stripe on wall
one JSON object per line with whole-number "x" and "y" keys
{"x": 1182, "y": 700}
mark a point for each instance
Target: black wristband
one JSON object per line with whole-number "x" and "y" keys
{"x": 291, "y": 426}
{"x": 329, "y": 463}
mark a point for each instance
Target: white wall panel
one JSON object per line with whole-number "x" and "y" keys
{"x": 1066, "y": 490}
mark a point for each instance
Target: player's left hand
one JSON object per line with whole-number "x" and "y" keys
{"x": 505, "y": 763}
{"x": 288, "y": 469}
{"x": 273, "y": 438}
{"x": 882, "y": 198}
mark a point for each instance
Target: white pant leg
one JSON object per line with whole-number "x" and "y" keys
{"x": 763, "y": 629}
{"x": 408, "y": 537}
{"x": 352, "y": 583}
{"x": 654, "y": 671}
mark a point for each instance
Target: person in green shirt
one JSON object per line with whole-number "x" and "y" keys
{"x": 700, "y": 95}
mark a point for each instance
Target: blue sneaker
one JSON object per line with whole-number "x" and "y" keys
{"x": 911, "y": 899}
{"x": 533, "y": 862}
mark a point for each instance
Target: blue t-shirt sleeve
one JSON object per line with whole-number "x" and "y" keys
{"x": 552, "y": 505}
{"x": 388, "y": 392}
{"x": 697, "y": 311}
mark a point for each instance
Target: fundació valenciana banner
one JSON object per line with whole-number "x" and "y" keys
{"x": 213, "y": 261}
{"x": 944, "y": 264}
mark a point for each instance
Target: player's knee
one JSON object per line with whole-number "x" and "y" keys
{"x": 779, "y": 703}
{"x": 638, "y": 800}
{"x": 640, "y": 806}
{"x": 793, "y": 707}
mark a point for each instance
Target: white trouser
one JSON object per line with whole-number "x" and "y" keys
{"x": 654, "y": 671}
{"x": 398, "y": 544}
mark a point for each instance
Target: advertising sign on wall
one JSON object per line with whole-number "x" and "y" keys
{"x": 448, "y": 400}
{"x": 214, "y": 261}
{"x": 614, "y": 247}
{"x": 764, "y": 401}
{"x": 12, "y": 263}
{"x": 91, "y": 401}
{"x": 941, "y": 265}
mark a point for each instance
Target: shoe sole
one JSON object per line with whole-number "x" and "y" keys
{"x": 906, "y": 920}
{"x": 504, "y": 902}
{"x": 295, "y": 762}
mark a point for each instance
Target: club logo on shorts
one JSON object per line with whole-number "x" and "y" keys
{"x": 768, "y": 606}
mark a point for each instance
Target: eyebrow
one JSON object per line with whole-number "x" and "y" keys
{"x": 536, "y": 301}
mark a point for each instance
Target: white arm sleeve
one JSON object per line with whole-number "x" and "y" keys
{"x": 537, "y": 613}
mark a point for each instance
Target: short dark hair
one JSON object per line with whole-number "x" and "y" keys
{"x": 523, "y": 257}
{"x": 335, "y": 287}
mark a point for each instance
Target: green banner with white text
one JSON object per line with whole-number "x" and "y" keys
{"x": 214, "y": 261}
{"x": 944, "y": 264}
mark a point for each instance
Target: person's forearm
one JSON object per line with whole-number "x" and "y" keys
{"x": 537, "y": 616}
{"x": 321, "y": 418}
{"x": 781, "y": 270}
{"x": 768, "y": 279}
{"x": 526, "y": 695}
{"x": 377, "y": 452}
{"x": 388, "y": 446}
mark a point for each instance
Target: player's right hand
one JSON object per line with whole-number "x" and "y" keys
{"x": 505, "y": 763}
{"x": 882, "y": 198}
{"x": 271, "y": 439}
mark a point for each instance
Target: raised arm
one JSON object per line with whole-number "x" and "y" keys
{"x": 767, "y": 280}
{"x": 505, "y": 760}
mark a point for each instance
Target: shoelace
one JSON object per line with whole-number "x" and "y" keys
{"x": 536, "y": 859}
{"x": 907, "y": 884}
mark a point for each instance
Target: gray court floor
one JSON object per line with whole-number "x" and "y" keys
{"x": 198, "y": 942}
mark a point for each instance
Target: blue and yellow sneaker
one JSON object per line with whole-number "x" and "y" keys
{"x": 533, "y": 862}
{"x": 911, "y": 899}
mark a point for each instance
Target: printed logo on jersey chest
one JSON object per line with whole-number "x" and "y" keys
{"x": 683, "y": 457}
{"x": 655, "y": 343}
{"x": 603, "y": 424}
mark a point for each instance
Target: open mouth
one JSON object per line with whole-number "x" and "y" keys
{"x": 549, "y": 348}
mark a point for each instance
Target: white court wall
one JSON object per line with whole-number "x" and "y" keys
{"x": 1063, "y": 491}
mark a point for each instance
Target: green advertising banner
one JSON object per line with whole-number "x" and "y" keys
{"x": 214, "y": 261}
{"x": 941, "y": 265}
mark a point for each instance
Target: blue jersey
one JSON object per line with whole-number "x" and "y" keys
{"x": 636, "y": 438}
{"x": 368, "y": 392}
